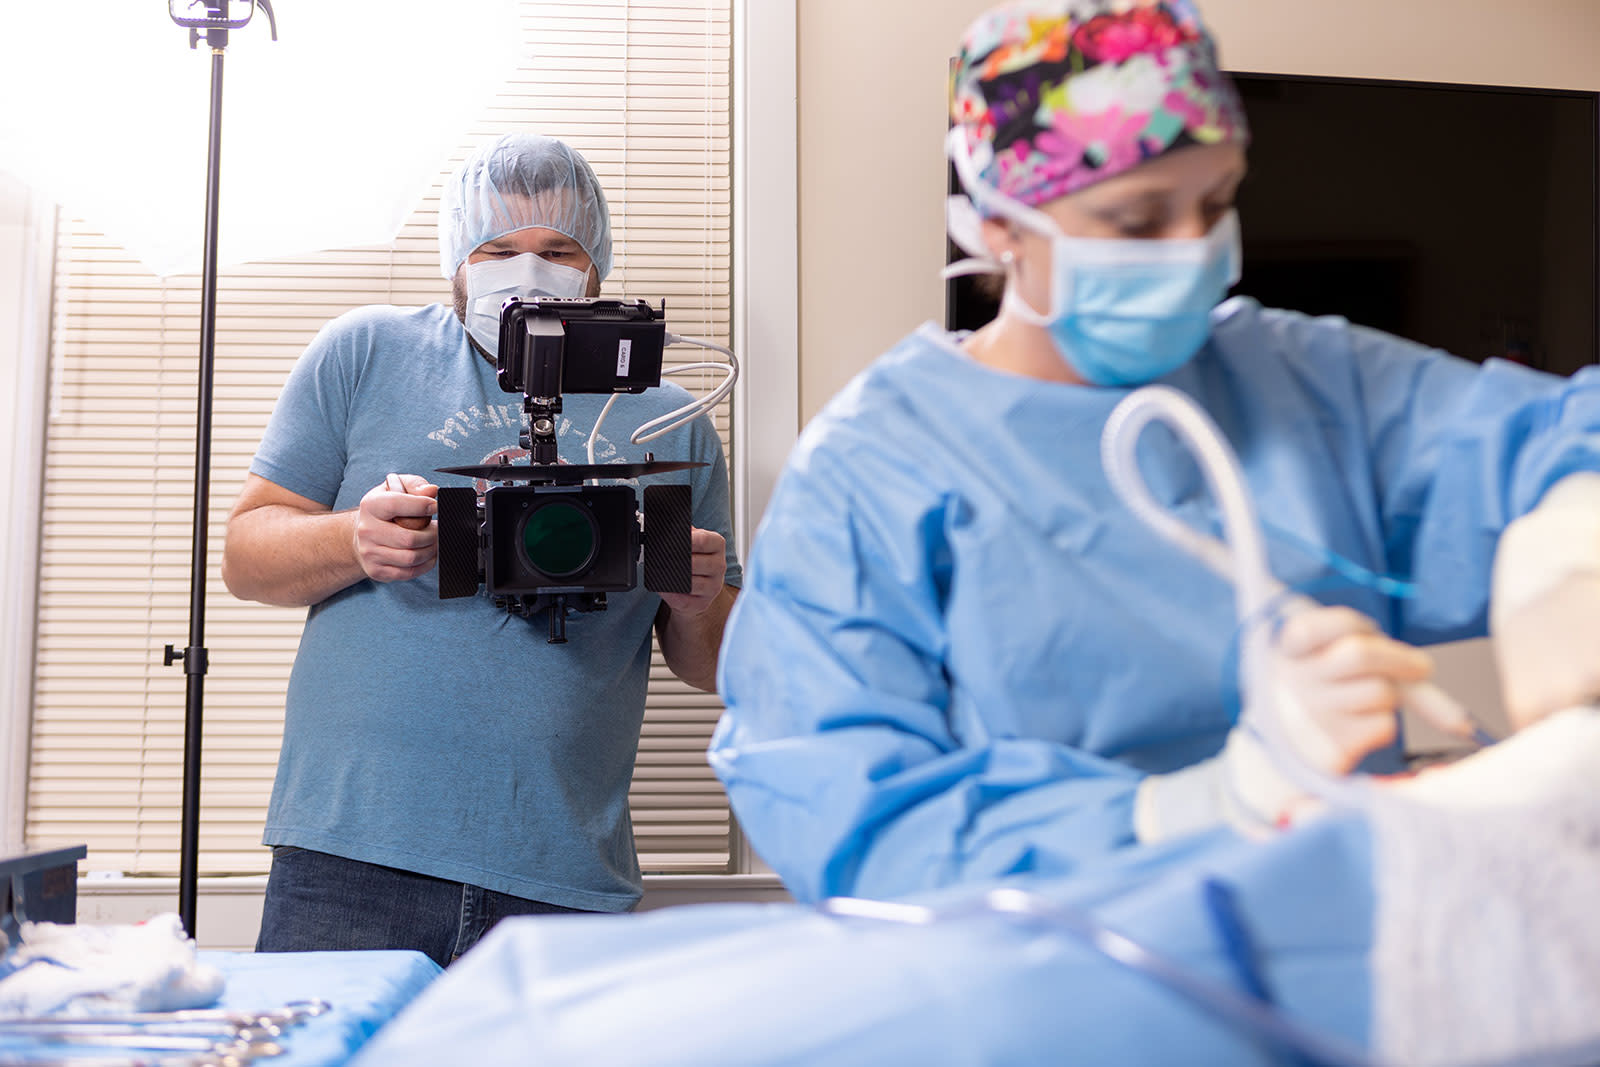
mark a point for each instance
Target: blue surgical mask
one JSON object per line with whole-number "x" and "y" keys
{"x": 1122, "y": 312}
{"x": 491, "y": 282}
{"x": 1127, "y": 312}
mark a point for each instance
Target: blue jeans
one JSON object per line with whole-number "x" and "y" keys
{"x": 318, "y": 902}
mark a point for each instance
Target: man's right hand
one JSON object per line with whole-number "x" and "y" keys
{"x": 394, "y": 537}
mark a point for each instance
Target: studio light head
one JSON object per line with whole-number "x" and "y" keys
{"x": 210, "y": 20}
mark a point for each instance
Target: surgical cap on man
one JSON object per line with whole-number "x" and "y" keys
{"x": 518, "y": 181}
{"x": 1055, "y": 95}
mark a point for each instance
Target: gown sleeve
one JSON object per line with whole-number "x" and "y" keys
{"x": 1458, "y": 451}
{"x": 837, "y": 747}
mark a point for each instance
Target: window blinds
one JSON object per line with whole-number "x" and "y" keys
{"x": 642, "y": 88}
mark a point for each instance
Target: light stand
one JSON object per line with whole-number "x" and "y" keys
{"x": 213, "y": 28}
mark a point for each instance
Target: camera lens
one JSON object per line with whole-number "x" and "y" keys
{"x": 560, "y": 538}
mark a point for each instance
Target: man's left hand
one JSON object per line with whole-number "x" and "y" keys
{"x": 708, "y": 562}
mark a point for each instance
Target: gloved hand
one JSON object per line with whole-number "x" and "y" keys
{"x": 1336, "y": 685}
{"x": 1332, "y": 685}
{"x": 1526, "y": 769}
{"x": 1544, "y": 611}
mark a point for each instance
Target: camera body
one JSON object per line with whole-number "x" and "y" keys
{"x": 544, "y": 541}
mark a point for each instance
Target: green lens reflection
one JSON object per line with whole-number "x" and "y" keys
{"x": 559, "y": 538}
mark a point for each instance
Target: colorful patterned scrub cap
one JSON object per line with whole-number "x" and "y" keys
{"x": 1054, "y": 95}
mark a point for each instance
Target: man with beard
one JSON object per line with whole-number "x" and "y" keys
{"x": 443, "y": 765}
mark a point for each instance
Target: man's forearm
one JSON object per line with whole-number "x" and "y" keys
{"x": 690, "y": 644}
{"x": 280, "y": 555}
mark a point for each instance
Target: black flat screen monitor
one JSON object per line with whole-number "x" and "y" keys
{"x": 1462, "y": 217}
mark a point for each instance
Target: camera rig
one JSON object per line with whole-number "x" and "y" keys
{"x": 542, "y": 541}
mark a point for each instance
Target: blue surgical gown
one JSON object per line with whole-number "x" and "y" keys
{"x": 957, "y": 652}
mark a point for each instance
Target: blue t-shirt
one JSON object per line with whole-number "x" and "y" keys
{"x": 447, "y": 737}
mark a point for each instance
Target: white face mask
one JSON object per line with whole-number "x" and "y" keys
{"x": 491, "y": 282}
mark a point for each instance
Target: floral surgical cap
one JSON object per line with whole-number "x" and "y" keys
{"x": 1054, "y": 95}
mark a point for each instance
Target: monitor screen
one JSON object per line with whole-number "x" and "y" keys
{"x": 1462, "y": 217}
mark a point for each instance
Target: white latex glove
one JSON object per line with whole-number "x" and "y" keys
{"x": 1544, "y": 610}
{"x": 1240, "y": 787}
{"x": 1337, "y": 684}
{"x": 1333, "y": 685}
{"x": 1524, "y": 770}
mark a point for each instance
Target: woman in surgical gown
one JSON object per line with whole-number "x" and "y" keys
{"x": 958, "y": 656}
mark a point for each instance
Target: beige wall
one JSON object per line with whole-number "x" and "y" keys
{"x": 872, "y": 85}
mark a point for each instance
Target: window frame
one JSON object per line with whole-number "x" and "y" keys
{"x": 27, "y": 255}
{"x": 766, "y": 259}
{"x": 766, "y": 410}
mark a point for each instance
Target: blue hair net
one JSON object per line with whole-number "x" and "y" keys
{"x": 523, "y": 180}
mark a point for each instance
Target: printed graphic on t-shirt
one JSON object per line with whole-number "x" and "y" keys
{"x": 497, "y": 419}
{"x": 502, "y": 421}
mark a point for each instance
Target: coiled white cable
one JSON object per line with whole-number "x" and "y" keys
{"x": 648, "y": 431}
{"x": 1242, "y": 560}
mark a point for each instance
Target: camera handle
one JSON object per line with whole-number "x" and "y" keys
{"x": 539, "y": 436}
{"x": 555, "y": 604}
{"x": 535, "y": 369}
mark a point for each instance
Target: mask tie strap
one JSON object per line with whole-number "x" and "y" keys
{"x": 964, "y": 222}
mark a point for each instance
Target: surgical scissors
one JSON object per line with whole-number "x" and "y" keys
{"x": 214, "y": 1037}
{"x": 292, "y": 1014}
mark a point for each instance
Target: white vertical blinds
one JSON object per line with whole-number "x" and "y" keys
{"x": 642, "y": 88}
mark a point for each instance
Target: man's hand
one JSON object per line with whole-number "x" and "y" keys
{"x": 394, "y": 537}
{"x": 689, "y": 625}
{"x": 708, "y": 562}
